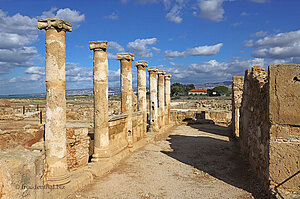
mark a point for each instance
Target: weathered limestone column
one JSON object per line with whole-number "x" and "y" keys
{"x": 126, "y": 92}
{"x": 168, "y": 96}
{"x": 55, "y": 124}
{"x": 100, "y": 76}
{"x": 153, "y": 98}
{"x": 141, "y": 82}
{"x": 161, "y": 97}
{"x": 237, "y": 92}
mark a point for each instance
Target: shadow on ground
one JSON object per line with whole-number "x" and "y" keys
{"x": 215, "y": 156}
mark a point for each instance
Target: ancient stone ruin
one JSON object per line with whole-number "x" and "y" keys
{"x": 267, "y": 111}
{"x": 57, "y": 159}
{"x": 54, "y": 148}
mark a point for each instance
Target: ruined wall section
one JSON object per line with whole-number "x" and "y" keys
{"x": 77, "y": 147}
{"x": 117, "y": 134}
{"x": 137, "y": 126}
{"x": 254, "y": 124}
{"x": 284, "y": 110}
{"x": 179, "y": 116}
{"x": 270, "y": 126}
{"x": 237, "y": 92}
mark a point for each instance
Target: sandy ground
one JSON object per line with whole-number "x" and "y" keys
{"x": 196, "y": 161}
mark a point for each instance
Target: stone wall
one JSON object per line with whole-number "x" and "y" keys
{"x": 21, "y": 174}
{"x": 137, "y": 126}
{"x": 77, "y": 147}
{"x": 270, "y": 125}
{"x": 117, "y": 134}
{"x": 20, "y": 134}
{"x": 218, "y": 117}
{"x": 254, "y": 124}
{"x": 237, "y": 92}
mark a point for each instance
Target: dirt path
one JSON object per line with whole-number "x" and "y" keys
{"x": 195, "y": 161}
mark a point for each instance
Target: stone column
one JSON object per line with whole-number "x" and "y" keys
{"x": 100, "y": 77}
{"x": 142, "y": 100}
{"x": 168, "y": 96}
{"x": 126, "y": 92}
{"x": 161, "y": 97}
{"x": 153, "y": 98}
{"x": 237, "y": 92}
{"x": 55, "y": 124}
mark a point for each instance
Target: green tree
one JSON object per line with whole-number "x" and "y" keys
{"x": 189, "y": 87}
{"x": 181, "y": 89}
{"x": 220, "y": 90}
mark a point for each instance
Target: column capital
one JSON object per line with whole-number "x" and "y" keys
{"x": 168, "y": 75}
{"x": 54, "y": 23}
{"x": 141, "y": 64}
{"x": 127, "y": 56}
{"x": 152, "y": 69}
{"x": 98, "y": 45}
{"x": 161, "y": 72}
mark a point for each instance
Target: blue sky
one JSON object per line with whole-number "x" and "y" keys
{"x": 198, "y": 41}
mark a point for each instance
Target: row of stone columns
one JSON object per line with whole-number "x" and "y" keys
{"x": 161, "y": 103}
{"x": 55, "y": 124}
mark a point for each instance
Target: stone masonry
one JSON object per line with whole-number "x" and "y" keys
{"x": 237, "y": 91}
{"x": 142, "y": 101}
{"x": 126, "y": 91}
{"x": 167, "y": 97}
{"x": 270, "y": 126}
{"x": 161, "y": 97}
{"x": 100, "y": 74}
{"x": 52, "y": 160}
{"x": 153, "y": 98}
{"x": 55, "y": 125}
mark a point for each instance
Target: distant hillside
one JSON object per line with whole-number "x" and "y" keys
{"x": 212, "y": 85}
{"x": 112, "y": 90}
{"x": 72, "y": 92}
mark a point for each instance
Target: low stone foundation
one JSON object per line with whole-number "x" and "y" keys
{"x": 218, "y": 117}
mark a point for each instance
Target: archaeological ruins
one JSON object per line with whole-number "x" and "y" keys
{"x": 57, "y": 146}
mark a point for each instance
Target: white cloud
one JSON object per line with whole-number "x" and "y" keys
{"x": 113, "y": 16}
{"x": 197, "y": 51}
{"x": 115, "y": 46}
{"x": 212, "y": 71}
{"x": 157, "y": 50}
{"x": 72, "y": 16}
{"x": 35, "y": 70}
{"x": 248, "y": 43}
{"x": 174, "y": 15}
{"x": 18, "y": 32}
{"x": 172, "y": 54}
{"x": 167, "y": 4}
{"x": 140, "y": 48}
{"x": 204, "y": 50}
{"x": 259, "y": 34}
{"x": 211, "y": 9}
{"x": 75, "y": 73}
{"x": 111, "y": 56}
{"x": 278, "y": 46}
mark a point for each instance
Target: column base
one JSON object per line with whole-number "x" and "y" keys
{"x": 58, "y": 180}
{"x": 153, "y": 129}
{"x": 101, "y": 155}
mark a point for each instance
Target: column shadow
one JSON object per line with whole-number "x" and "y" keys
{"x": 216, "y": 157}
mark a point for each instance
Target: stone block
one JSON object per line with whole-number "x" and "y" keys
{"x": 21, "y": 174}
{"x": 284, "y": 80}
